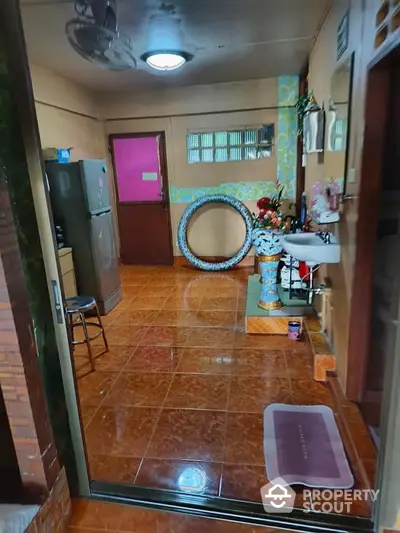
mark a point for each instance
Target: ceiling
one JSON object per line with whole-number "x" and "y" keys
{"x": 232, "y": 40}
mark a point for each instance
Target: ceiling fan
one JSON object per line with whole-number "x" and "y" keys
{"x": 94, "y": 35}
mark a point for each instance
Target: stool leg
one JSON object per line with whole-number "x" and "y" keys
{"x": 71, "y": 329}
{"x": 102, "y": 328}
{"x": 85, "y": 332}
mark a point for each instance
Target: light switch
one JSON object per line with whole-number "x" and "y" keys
{"x": 351, "y": 176}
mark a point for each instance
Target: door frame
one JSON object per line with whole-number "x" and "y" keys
{"x": 376, "y": 118}
{"x": 164, "y": 178}
{"x": 22, "y": 86}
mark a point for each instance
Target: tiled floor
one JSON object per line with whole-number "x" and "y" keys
{"x": 91, "y": 516}
{"x": 182, "y": 384}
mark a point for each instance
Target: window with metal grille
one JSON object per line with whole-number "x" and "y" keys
{"x": 232, "y": 145}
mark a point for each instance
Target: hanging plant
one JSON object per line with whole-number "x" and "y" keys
{"x": 302, "y": 104}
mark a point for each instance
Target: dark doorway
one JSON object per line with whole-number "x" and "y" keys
{"x": 376, "y": 289}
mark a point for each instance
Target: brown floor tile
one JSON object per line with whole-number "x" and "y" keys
{"x": 218, "y": 304}
{"x": 82, "y": 366}
{"x": 131, "y": 291}
{"x": 299, "y": 365}
{"x": 156, "y": 291}
{"x": 154, "y": 359}
{"x": 136, "y": 280}
{"x": 188, "y": 289}
{"x": 242, "y": 291}
{"x": 259, "y": 363}
{"x": 240, "y": 321}
{"x": 314, "y": 324}
{"x": 114, "y": 469}
{"x": 87, "y": 411}
{"x": 267, "y": 342}
{"x": 197, "y": 435}
{"x": 121, "y": 430}
{"x": 166, "y": 279}
{"x": 370, "y": 466}
{"x": 309, "y": 392}
{"x": 221, "y": 291}
{"x": 139, "y": 389}
{"x": 182, "y": 303}
{"x": 198, "y": 391}
{"x": 206, "y": 361}
{"x": 84, "y": 530}
{"x": 112, "y": 360}
{"x": 176, "y": 318}
{"x": 244, "y": 439}
{"x": 254, "y": 394}
{"x": 210, "y": 337}
{"x": 360, "y": 434}
{"x": 98, "y": 515}
{"x": 94, "y": 387}
{"x": 215, "y": 284}
{"x": 216, "y": 319}
{"x": 243, "y": 482}
{"x": 165, "y": 336}
{"x": 241, "y": 304}
{"x": 181, "y": 523}
{"x": 112, "y": 316}
{"x": 95, "y": 516}
{"x": 165, "y": 474}
{"x": 136, "y": 318}
{"x": 147, "y": 303}
{"x": 123, "y": 335}
{"x": 122, "y": 304}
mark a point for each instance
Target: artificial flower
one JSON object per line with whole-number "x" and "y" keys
{"x": 264, "y": 203}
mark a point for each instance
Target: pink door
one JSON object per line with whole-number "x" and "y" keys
{"x": 143, "y": 208}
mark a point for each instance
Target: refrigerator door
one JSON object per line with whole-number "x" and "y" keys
{"x": 104, "y": 255}
{"x": 95, "y": 185}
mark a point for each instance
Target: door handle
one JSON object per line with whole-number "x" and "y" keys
{"x": 57, "y": 302}
{"x": 349, "y": 197}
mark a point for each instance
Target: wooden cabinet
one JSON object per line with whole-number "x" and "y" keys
{"x": 67, "y": 272}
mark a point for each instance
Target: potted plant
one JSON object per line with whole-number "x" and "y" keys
{"x": 268, "y": 226}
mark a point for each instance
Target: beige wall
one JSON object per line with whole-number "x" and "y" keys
{"x": 220, "y": 231}
{"x": 68, "y": 116}
{"x": 194, "y": 99}
{"x": 321, "y": 67}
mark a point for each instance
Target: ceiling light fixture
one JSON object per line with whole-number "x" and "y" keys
{"x": 166, "y": 59}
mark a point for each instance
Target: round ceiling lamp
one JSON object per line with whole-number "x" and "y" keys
{"x": 166, "y": 59}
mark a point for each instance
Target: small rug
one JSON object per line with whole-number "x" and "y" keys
{"x": 302, "y": 445}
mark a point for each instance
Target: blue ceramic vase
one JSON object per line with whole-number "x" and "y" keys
{"x": 268, "y": 245}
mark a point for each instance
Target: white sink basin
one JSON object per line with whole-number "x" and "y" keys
{"x": 310, "y": 248}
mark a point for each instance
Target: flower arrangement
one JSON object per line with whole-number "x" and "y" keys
{"x": 270, "y": 215}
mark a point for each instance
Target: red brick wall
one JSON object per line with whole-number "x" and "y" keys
{"x": 20, "y": 375}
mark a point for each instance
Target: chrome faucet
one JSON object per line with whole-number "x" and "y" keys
{"x": 325, "y": 236}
